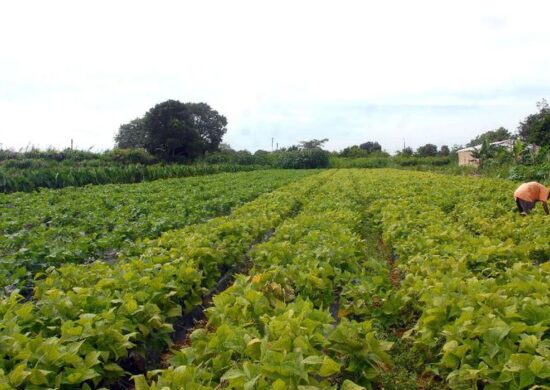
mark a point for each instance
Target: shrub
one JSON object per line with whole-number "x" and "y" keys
{"x": 302, "y": 159}
{"x": 130, "y": 156}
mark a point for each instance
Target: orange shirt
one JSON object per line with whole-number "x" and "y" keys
{"x": 532, "y": 192}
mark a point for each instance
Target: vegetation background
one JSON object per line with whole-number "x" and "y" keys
{"x": 175, "y": 139}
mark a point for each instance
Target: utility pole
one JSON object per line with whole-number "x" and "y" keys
{"x": 277, "y": 146}
{"x": 272, "y": 144}
{"x": 71, "y": 144}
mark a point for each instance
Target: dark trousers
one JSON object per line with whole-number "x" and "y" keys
{"x": 524, "y": 206}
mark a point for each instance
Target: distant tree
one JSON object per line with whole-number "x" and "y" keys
{"x": 225, "y": 147}
{"x": 444, "y": 150}
{"x": 428, "y": 150}
{"x": 535, "y": 129}
{"x": 371, "y": 147}
{"x": 313, "y": 144}
{"x": 262, "y": 157}
{"x": 406, "y": 152}
{"x": 173, "y": 130}
{"x": 456, "y": 147}
{"x": 290, "y": 148}
{"x": 132, "y": 135}
{"x": 353, "y": 151}
{"x": 491, "y": 136}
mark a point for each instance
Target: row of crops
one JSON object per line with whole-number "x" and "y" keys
{"x": 75, "y": 225}
{"x": 477, "y": 276}
{"x": 351, "y": 279}
{"x": 273, "y": 328}
{"x": 473, "y": 303}
{"x": 24, "y": 176}
{"x": 83, "y": 320}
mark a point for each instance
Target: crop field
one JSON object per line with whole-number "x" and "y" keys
{"x": 78, "y": 225}
{"x": 337, "y": 279}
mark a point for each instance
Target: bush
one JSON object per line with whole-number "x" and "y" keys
{"x": 130, "y": 156}
{"x": 302, "y": 159}
{"x": 360, "y": 162}
{"x": 24, "y": 163}
{"x": 415, "y": 161}
{"x": 539, "y": 172}
{"x": 72, "y": 155}
{"x": 241, "y": 157}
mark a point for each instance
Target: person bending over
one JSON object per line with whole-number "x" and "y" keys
{"x": 528, "y": 194}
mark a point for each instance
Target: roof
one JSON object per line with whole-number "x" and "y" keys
{"x": 470, "y": 149}
{"x": 506, "y": 142}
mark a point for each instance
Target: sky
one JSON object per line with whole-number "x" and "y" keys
{"x": 395, "y": 72}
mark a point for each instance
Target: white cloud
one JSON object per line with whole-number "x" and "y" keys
{"x": 288, "y": 69}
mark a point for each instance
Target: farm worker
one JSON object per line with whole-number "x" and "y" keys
{"x": 530, "y": 193}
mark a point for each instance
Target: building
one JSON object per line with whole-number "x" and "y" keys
{"x": 466, "y": 155}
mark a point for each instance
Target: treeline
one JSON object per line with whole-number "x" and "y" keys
{"x": 175, "y": 139}
{"x": 34, "y": 169}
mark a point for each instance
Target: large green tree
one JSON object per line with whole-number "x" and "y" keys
{"x": 173, "y": 130}
{"x": 491, "y": 136}
{"x": 209, "y": 123}
{"x": 535, "y": 129}
{"x": 170, "y": 132}
{"x": 132, "y": 135}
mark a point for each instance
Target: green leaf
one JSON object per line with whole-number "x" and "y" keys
{"x": 130, "y": 305}
{"x": 38, "y": 377}
{"x": 140, "y": 383}
{"x": 519, "y": 362}
{"x": 528, "y": 344}
{"x": 92, "y": 358}
{"x": 18, "y": 375}
{"x": 314, "y": 359}
{"x": 113, "y": 367}
{"x": 253, "y": 348}
{"x": 526, "y": 378}
{"x": 25, "y": 312}
{"x": 174, "y": 312}
{"x": 232, "y": 373}
{"x": 80, "y": 375}
{"x": 329, "y": 367}
{"x": 349, "y": 385}
{"x": 279, "y": 384}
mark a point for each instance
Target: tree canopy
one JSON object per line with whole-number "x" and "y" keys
{"x": 428, "y": 150}
{"x": 371, "y": 147}
{"x": 132, "y": 135}
{"x": 444, "y": 150}
{"x": 210, "y": 124}
{"x": 491, "y": 136}
{"x": 362, "y": 150}
{"x": 406, "y": 151}
{"x": 535, "y": 129}
{"x": 313, "y": 144}
{"x": 173, "y": 130}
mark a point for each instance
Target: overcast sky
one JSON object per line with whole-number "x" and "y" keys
{"x": 351, "y": 71}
